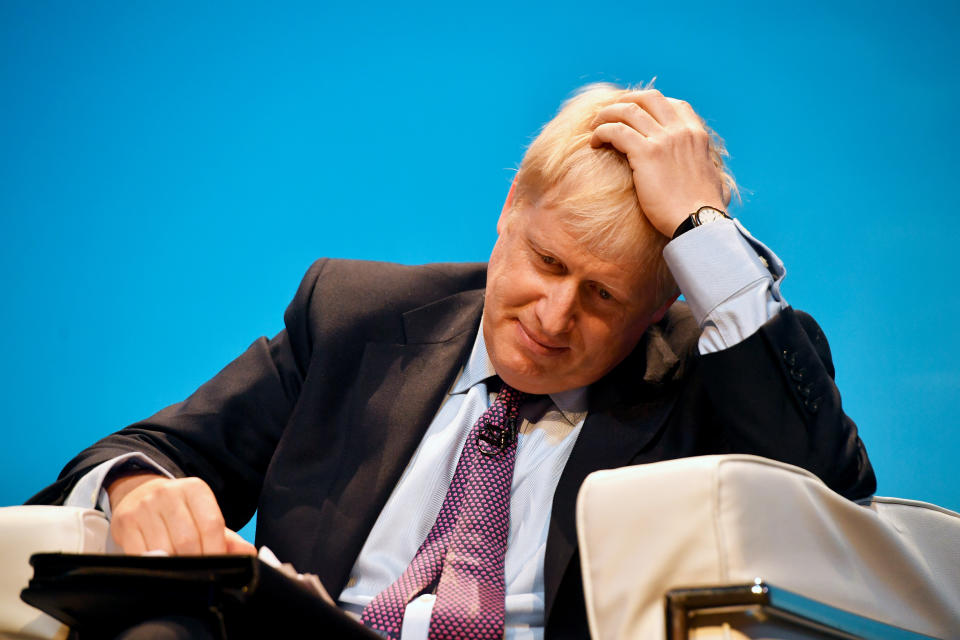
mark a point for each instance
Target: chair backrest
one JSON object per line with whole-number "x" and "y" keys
{"x": 26, "y": 530}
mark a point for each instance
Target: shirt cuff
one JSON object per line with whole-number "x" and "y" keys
{"x": 730, "y": 279}
{"x": 90, "y": 493}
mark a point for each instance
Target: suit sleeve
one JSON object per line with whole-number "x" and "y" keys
{"x": 227, "y": 430}
{"x": 774, "y": 395}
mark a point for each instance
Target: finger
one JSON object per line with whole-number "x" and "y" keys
{"x": 631, "y": 114}
{"x": 622, "y": 137}
{"x": 690, "y": 117}
{"x": 206, "y": 516}
{"x": 154, "y": 531}
{"x": 236, "y": 543}
{"x": 696, "y": 123}
{"x": 656, "y": 104}
{"x": 181, "y": 527}
{"x": 128, "y": 538}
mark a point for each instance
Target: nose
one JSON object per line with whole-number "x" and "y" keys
{"x": 556, "y": 308}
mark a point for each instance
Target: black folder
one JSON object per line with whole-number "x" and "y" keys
{"x": 239, "y": 596}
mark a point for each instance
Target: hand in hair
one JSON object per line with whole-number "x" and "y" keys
{"x": 675, "y": 168}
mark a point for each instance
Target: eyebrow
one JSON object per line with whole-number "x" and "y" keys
{"x": 618, "y": 294}
{"x": 536, "y": 246}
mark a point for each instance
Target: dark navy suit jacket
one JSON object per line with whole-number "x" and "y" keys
{"x": 314, "y": 427}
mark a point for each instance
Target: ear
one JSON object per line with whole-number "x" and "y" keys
{"x": 507, "y": 205}
{"x": 662, "y": 311}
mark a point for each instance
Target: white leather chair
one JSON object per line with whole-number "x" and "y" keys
{"x": 727, "y": 520}
{"x": 34, "y": 529}
{"x": 646, "y": 530}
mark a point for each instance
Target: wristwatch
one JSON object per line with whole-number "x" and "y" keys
{"x": 703, "y": 215}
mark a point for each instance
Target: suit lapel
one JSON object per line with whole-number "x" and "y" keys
{"x": 399, "y": 388}
{"x": 628, "y": 408}
{"x": 606, "y": 442}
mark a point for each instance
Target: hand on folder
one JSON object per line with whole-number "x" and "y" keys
{"x": 177, "y": 515}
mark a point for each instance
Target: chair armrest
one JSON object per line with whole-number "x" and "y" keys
{"x": 716, "y": 520}
{"x": 33, "y": 529}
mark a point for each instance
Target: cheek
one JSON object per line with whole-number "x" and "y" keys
{"x": 598, "y": 337}
{"x": 604, "y": 340}
{"x": 512, "y": 287}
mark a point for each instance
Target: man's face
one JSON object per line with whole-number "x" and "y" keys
{"x": 556, "y": 316}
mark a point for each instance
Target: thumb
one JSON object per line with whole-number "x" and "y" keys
{"x": 237, "y": 545}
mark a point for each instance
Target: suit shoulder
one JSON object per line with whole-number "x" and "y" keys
{"x": 389, "y": 280}
{"x": 350, "y": 298}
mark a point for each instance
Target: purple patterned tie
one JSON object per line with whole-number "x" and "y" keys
{"x": 463, "y": 554}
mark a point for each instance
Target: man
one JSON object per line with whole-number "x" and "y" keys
{"x": 346, "y": 430}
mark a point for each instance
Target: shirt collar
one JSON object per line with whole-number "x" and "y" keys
{"x": 571, "y": 403}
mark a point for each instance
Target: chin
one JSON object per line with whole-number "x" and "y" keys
{"x": 533, "y": 380}
{"x": 520, "y": 374}
{"x": 529, "y": 385}
{"x": 524, "y": 373}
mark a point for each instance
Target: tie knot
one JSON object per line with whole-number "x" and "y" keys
{"x": 497, "y": 429}
{"x": 510, "y": 396}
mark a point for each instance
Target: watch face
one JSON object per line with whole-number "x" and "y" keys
{"x": 706, "y": 215}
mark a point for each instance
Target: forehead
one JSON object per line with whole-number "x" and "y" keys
{"x": 600, "y": 240}
{"x": 607, "y": 227}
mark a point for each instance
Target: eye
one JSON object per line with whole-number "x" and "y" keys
{"x": 601, "y": 292}
{"x": 548, "y": 260}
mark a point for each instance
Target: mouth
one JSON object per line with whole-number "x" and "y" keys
{"x": 537, "y": 344}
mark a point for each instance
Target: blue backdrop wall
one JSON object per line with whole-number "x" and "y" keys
{"x": 169, "y": 170}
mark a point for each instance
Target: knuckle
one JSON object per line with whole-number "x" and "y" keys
{"x": 689, "y": 135}
{"x": 160, "y": 489}
{"x": 197, "y": 486}
{"x": 602, "y": 131}
{"x": 606, "y": 111}
{"x": 151, "y": 501}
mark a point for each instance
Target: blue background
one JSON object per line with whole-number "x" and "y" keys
{"x": 168, "y": 170}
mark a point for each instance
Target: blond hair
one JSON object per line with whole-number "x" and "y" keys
{"x": 595, "y": 186}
